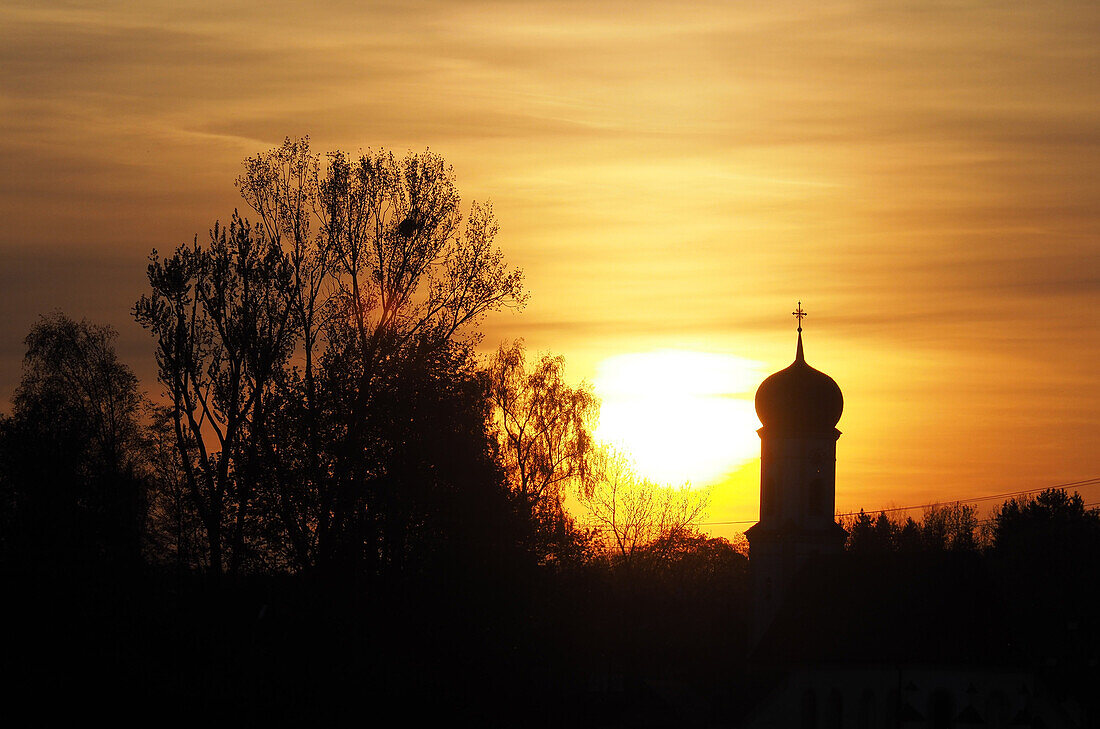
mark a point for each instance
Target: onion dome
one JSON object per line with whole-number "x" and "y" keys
{"x": 799, "y": 399}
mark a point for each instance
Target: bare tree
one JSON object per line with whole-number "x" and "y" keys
{"x": 635, "y": 516}
{"x": 283, "y": 187}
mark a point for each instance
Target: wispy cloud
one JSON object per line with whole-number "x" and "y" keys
{"x": 923, "y": 175}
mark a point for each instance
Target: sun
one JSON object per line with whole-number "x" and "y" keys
{"x": 683, "y": 416}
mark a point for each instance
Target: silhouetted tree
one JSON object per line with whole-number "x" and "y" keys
{"x": 885, "y": 538}
{"x": 861, "y": 533}
{"x": 1046, "y": 551}
{"x": 433, "y": 490}
{"x": 411, "y": 281}
{"x": 72, "y": 454}
{"x": 223, "y": 326}
{"x": 285, "y": 188}
{"x": 908, "y": 537}
{"x": 697, "y": 559}
{"x": 950, "y": 527}
{"x": 291, "y": 351}
{"x": 174, "y": 532}
{"x": 636, "y": 517}
{"x": 544, "y": 434}
{"x": 1052, "y": 523}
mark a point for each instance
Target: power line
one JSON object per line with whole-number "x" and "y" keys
{"x": 753, "y": 521}
{"x": 1086, "y": 482}
{"x": 991, "y": 519}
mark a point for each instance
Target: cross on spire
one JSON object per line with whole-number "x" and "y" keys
{"x": 798, "y": 314}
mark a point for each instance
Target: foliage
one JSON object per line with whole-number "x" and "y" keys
{"x": 1047, "y": 548}
{"x": 71, "y": 451}
{"x": 1051, "y": 523}
{"x": 223, "y": 330}
{"x": 173, "y": 530}
{"x": 305, "y": 357}
{"x": 950, "y": 527}
{"x": 72, "y": 377}
{"x": 543, "y": 430}
{"x": 407, "y": 282}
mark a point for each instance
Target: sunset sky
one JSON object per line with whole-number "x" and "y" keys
{"x": 672, "y": 177}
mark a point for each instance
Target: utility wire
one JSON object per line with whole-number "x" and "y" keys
{"x": 1091, "y": 505}
{"x": 1086, "y": 482}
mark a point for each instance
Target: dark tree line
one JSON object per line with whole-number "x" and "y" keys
{"x": 1041, "y": 556}
{"x": 950, "y": 527}
{"x": 1021, "y": 529}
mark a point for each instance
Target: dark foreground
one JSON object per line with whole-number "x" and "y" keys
{"x": 588, "y": 648}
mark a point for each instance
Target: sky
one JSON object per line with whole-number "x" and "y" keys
{"x": 673, "y": 177}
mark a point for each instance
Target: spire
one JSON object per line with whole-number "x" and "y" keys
{"x": 798, "y": 314}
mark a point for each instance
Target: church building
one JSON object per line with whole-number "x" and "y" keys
{"x": 799, "y": 408}
{"x": 839, "y": 642}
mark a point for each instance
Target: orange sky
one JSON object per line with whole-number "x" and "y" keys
{"x": 925, "y": 177}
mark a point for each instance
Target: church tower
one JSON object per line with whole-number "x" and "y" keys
{"x": 799, "y": 408}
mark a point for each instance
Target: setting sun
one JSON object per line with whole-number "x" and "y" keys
{"x": 683, "y": 416}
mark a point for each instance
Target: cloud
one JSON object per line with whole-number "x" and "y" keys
{"x": 922, "y": 175}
